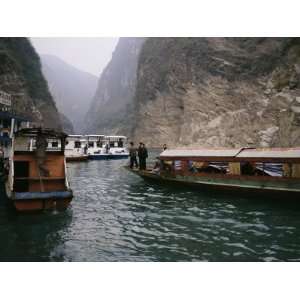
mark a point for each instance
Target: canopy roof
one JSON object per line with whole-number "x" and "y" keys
{"x": 232, "y": 153}
{"x": 48, "y": 132}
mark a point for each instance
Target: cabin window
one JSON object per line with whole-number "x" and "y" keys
{"x": 99, "y": 144}
{"x": 208, "y": 167}
{"x": 166, "y": 165}
{"x": 67, "y": 142}
{"x": 263, "y": 169}
{"x": 54, "y": 144}
{"x": 91, "y": 144}
{"x": 247, "y": 168}
{"x": 77, "y": 144}
{"x": 177, "y": 165}
{"x": 120, "y": 143}
{"x": 21, "y": 172}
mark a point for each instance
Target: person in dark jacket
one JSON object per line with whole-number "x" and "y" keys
{"x": 132, "y": 156}
{"x": 143, "y": 155}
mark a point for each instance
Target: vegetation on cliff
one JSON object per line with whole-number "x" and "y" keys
{"x": 21, "y": 76}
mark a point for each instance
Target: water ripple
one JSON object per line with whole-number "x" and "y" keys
{"x": 116, "y": 216}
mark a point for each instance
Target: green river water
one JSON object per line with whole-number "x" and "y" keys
{"x": 116, "y": 216}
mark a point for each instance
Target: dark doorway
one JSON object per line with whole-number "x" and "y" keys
{"x": 21, "y": 172}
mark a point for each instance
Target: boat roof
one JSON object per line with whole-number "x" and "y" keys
{"x": 116, "y": 136}
{"x": 50, "y": 133}
{"x": 233, "y": 153}
{"x": 271, "y": 152}
{"x": 95, "y": 135}
{"x": 76, "y": 136}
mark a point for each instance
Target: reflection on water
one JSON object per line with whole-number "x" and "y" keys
{"x": 116, "y": 216}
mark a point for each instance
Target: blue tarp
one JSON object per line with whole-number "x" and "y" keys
{"x": 42, "y": 195}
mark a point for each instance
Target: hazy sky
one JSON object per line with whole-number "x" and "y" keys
{"x": 87, "y": 54}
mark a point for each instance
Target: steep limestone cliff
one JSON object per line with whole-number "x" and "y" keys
{"x": 71, "y": 88}
{"x": 218, "y": 92}
{"x": 67, "y": 125}
{"x": 21, "y": 76}
{"x": 109, "y": 112}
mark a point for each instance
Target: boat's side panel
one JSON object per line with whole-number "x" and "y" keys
{"x": 55, "y": 165}
{"x": 76, "y": 158}
{"x": 107, "y": 156}
{"x": 47, "y": 186}
{"x": 98, "y": 157}
{"x": 242, "y": 182}
{"x": 275, "y": 188}
{"x": 41, "y": 204}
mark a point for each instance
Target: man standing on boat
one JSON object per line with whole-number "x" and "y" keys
{"x": 143, "y": 155}
{"x": 132, "y": 156}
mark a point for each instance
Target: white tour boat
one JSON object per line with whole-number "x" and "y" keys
{"x": 76, "y": 148}
{"x": 107, "y": 147}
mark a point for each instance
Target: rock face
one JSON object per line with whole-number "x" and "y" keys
{"x": 21, "y": 76}
{"x": 231, "y": 92}
{"x": 67, "y": 125}
{"x": 71, "y": 88}
{"x": 109, "y": 112}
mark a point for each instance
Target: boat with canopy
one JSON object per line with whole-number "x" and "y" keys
{"x": 270, "y": 171}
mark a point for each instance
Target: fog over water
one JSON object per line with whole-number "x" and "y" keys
{"x": 87, "y": 54}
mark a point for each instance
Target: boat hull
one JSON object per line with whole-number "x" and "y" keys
{"x": 108, "y": 156}
{"x": 38, "y": 201}
{"x": 76, "y": 158}
{"x": 208, "y": 184}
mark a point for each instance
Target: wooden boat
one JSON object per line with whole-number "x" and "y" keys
{"x": 37, "y": 178}
{"x": 76, "y": 148}
{"x": 273, "y": 171}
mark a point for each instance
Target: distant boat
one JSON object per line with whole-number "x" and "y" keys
{"x": 76, "y": 148}
{"x": 272, "y": 172}
{"x": 101, "y": 147}
{"x": 37, "y": 177}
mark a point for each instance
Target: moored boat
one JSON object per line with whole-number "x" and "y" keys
{"x": 273, "y": 171}
{"x": 102, "y": 147}
{"x": 76, "y": 148}
{"x": 37, "y": 177}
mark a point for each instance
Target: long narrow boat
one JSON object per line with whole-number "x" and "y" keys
{"x": 37, "y": 178}
{"x": 273, "y": 171}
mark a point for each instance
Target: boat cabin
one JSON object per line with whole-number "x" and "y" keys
{"x": 95, "y": 143}
{"x": 37, "y": 170}
{"x": 76, "y": 147}
{"x": 116, "y": 141}
{"x": 273, "y": 162}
